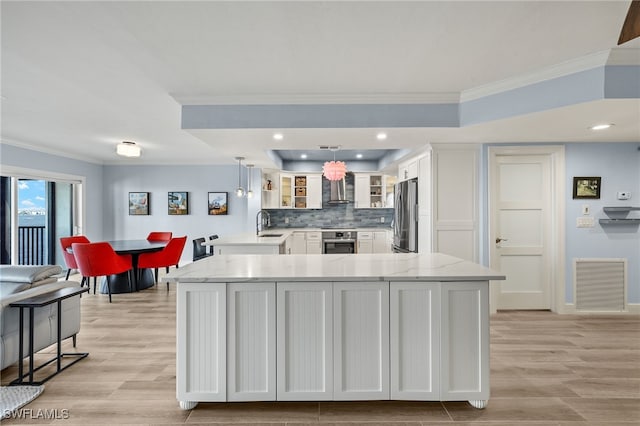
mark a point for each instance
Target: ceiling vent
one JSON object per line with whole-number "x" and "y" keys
{"x": 329, "y": 147}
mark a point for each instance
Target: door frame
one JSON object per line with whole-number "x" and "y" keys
{"x": 79, "y": 194}
{"x": 556, "y": 247}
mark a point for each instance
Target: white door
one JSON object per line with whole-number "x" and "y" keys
{"x": 520, "y": 237}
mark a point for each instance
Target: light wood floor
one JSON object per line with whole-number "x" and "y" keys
{"x": 546, "y": 369}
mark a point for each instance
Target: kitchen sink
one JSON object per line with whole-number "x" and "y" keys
{"x": 270, "y": 235}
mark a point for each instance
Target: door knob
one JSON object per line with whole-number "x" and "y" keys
{"x": 500, "y": 239}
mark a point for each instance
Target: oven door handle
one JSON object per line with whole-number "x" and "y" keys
{"x": 339, "y": 241}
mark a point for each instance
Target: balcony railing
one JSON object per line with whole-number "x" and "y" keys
{"x": 31, "y": 245}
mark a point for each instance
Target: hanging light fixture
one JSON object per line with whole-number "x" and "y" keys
{"x": 240, "y": 189}
{"x": 128, "y": 149}
{"x": 249, "y": 191}
{"x": 334, "y": 170}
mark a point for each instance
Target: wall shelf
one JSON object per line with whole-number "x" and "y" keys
{"x": 619, "y": 214}
{"x": 619, "y": 221}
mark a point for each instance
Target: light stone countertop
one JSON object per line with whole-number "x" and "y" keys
{"x": 332, "y": 267}
{"x": 250, "y": 238}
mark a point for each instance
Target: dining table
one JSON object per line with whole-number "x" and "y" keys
{"x": 142, "y": 278}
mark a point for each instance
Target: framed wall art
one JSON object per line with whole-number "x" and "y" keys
{"x": 178, "y": 203}
{"x": 586, "y": 187}
{"x": 138, "y": 203}
{"x": 217, "y": 203}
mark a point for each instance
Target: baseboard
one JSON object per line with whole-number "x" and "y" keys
{"x": 570, "y": 308}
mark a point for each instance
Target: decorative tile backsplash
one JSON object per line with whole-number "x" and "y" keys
{"x": 332, "y": 215}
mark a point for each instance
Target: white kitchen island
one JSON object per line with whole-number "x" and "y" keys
{"x": 333, "y": 327}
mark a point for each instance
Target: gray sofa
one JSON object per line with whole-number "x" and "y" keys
{"x": 21, "y": 282}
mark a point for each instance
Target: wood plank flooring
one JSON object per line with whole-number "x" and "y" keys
{"x": 546, "y": 369}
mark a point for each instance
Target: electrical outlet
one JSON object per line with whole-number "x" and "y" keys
{"x": 382, "y": 219}
{"x": 286, "y": 220}
{"x": 585, "y": 222}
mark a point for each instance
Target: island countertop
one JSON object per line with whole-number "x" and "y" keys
{"x": 329, "y": 267}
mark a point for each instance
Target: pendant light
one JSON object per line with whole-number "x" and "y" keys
{"x": 240, "y": 189}
{"x": 249, "y": 191}
{"x": 334, "y": 170}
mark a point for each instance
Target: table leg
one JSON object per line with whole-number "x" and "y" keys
{"x": 59, "y": 335}
{"x": 21, "y": 348}
{"x": 31, "y": 332}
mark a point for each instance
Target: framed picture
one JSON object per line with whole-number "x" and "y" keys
{"x": 586, "y": 187}
{"x": 178, "y": 203}
{"x": 138, "y": 203}
{"x": 217, "y": 203}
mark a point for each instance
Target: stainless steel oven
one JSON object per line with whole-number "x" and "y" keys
{"x": 339, "y": 242}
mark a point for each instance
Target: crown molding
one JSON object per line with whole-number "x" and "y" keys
{"x": 562, "y": 69}
{"x": 319, "y": 99}
{"x": 624, "y": 56}
{"x": 44, "y": 150}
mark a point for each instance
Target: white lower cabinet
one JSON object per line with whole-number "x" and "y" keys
{"x": 314, "y": 341}
{"x": 361, "y": 341}
{"x": 251, "y": 338}
{"x": 201, "y": 358}
{"x": 464, "y": 354}
{"x": 414, "y": 317}
{"x": 305, "y": 341}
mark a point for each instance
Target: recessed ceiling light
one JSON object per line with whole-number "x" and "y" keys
{"x": 358, "y": 155}
{"x": 303, "y": 156}
{"x": 278, "y": 136}
{"x": 381, "y": 136}
{"x": 601, "y": 126}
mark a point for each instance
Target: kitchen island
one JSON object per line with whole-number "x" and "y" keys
{"x": 333, "y": 327}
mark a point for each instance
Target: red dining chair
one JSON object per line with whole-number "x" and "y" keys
{"x": 168, "y": 256}
{"x": 159, "y": 236}
{"x": 99, "y": 259}
{"x": 69, "y": 259}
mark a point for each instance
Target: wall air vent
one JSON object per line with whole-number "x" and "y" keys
{"x": 600, "y": 285}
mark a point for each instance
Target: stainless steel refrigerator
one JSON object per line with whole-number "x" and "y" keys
{"x": 405, "y": 217}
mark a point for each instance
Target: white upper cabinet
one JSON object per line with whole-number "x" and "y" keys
{"x": 373, "y": 191}
{"x": 297, "y": 191}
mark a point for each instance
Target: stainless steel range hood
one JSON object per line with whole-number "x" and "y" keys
{"x": 338, "y": 192}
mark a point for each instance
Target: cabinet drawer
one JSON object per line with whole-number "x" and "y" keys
{"x": 314, "y": 235}
{"x": 365, "y": 235}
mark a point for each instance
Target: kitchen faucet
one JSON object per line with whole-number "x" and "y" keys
{"x": 263, "y": 218}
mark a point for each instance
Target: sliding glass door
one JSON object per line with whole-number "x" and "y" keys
{"x": 35, "y": 214}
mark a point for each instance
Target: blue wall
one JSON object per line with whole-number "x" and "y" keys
{"x": 24, "y": 158}
{"x": 198, "y": 181}
{"x": 619, "y": 166}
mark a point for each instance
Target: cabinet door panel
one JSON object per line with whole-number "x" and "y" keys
{"x": 465, "y": 341}
{"x": 305, "y": 341}
{"x": 251, "y": 338}
{"x": 201, "y": 353}
{"x": 415, "y": 340}
{"x": 361, "y": 341}
{"x": 314, "y": 191}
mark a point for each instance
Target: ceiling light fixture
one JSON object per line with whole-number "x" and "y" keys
{"x": 334, "y": 170}
{"x": 303, "y": 156}
{"x": 358, "y": 155}
{"x": 381, "y": 136}
{"x": 601, "y": 126}
{"x": 128, "y": 149}
{"x": 239, "y": 189}
{"x": 249, "y": 191}
{"x": 278, "y": 136}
